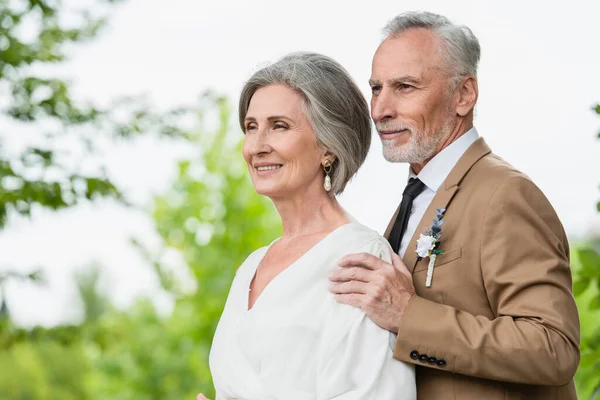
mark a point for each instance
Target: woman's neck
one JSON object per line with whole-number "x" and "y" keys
{"x": 309, "y": 212}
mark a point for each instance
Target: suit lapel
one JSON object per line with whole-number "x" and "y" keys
{"x": 443, "y": 197}
{"x": 441, "y": 200}
{"x": 391, "y": 224}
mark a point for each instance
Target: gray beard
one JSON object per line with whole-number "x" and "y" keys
{"x": 419, "y": 148}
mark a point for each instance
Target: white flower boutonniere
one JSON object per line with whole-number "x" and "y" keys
{"x": 428, "y": 242}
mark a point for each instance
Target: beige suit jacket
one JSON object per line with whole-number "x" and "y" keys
{"x": 499, "y": 321}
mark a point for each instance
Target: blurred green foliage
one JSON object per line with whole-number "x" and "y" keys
{"x": 586, "y": 270}
{"x": 40, "y": 112}
{"x": 41, "y": 109}
{"x": 114, "y": 354}
{"x": 210, "y": 219}
{"x": 586, "y": 286}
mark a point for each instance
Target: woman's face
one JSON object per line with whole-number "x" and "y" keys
{"x": 280, "y": 146}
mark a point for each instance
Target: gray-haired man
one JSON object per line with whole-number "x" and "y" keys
{"x": 485, "y": 308}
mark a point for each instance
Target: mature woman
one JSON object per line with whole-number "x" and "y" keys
{"x": 282, "y": 334}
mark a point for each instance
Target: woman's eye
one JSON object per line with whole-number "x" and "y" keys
{"x": 250, "y": 127}
{"x": 279, "y": 126}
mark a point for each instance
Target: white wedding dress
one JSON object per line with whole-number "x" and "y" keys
{"x": 297, "y": 342}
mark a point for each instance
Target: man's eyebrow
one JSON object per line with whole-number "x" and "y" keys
{"x": 403, "y": 79}
{"x": 395, "y": 81}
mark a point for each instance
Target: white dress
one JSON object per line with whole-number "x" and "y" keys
{"x": 297, "y": 342}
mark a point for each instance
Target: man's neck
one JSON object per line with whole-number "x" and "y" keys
{"x": 461, "y": 128}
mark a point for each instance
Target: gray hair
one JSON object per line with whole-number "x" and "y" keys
{"x": 334, "y": 105}
{"x": 460, "y": 47}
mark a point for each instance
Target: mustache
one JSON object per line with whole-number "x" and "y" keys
{"x": 390, "y": 126}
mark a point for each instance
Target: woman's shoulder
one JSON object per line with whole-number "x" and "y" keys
{"x": 253, "y": 259}
{"x": 362, "y": 238}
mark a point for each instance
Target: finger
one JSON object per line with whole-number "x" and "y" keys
{"x": 364, "y": 260}
{"x": 201, "y": 397}
{"x": 354, "y": 300}
{"x": 399, "y": 264}
{"x": 349, "y": 287}
{"x": 351, "y": 274}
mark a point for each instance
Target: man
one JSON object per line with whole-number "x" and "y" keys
{"x": 485, "y": 310}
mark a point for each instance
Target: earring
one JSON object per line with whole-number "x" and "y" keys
{"x": 327, "y": 169}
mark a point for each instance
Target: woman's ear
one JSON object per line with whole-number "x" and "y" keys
{"x": 329, "y": 156}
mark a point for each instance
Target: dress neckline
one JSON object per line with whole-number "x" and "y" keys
{"x": 289, "y": 267}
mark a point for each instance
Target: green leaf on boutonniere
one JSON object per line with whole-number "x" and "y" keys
{"x": 438, "y": 252}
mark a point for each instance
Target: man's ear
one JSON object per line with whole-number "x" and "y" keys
{"x": 467, "y": 91}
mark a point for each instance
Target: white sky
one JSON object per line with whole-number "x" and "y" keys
{"x": 539, "y": 75}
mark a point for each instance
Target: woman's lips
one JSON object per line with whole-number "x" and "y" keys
{"x": 267, "y": 169}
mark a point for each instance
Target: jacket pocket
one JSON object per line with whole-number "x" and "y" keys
{"x": 447, "y": 257}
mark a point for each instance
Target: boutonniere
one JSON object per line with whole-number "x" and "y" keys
{"x": 428, "y": 242}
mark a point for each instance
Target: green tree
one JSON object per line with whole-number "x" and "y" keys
{"x": 38, "y": 116}
{"x": 586, "y": 286}
{"x": 213, "y": 219}
{"x": 40, "y": 109}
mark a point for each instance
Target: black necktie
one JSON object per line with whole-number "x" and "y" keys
{"x": 412, "y": 190}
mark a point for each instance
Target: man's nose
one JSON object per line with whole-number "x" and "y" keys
{"x": 383, "y": 106}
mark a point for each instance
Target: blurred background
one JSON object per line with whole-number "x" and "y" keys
{"x": 124, "y": 202}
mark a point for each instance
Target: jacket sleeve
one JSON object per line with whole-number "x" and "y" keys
{"x": 534, "y": 335}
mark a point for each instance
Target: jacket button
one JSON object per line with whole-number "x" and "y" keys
{"x": 423, "y": 358}
{"x": 441, "y": 363}
{"x": 414, "y": 355}
{"x": 432, "y": 360}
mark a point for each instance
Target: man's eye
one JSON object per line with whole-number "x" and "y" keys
{"x": 375, "y": 89}
{"x": 404, "y": 86}
{"x": 250, "y": 127}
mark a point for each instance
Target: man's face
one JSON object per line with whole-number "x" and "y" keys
{"x": 412, "y": 101}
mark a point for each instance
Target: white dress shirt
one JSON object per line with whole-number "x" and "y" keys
{"x": 433, "y": 175}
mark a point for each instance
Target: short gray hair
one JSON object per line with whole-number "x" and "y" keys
{"x": 460, "y": 47}
{"x": 334, "y": 105}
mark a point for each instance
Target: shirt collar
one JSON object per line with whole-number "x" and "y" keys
{"x": 437, "y": 169}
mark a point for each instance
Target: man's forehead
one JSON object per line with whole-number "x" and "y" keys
{"x": 406, "y": 55}
{"x": 417, "y": 38}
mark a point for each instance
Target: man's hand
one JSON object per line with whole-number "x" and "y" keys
{"x": 380, "y": 289}
{"x": 201, "y": 397}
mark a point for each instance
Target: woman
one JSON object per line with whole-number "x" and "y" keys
{"x": 282, "y": 335}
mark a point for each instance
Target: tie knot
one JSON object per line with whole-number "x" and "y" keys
{"x": 414, "y": 188}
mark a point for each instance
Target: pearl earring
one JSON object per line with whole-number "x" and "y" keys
{"x": 327, "y": 169}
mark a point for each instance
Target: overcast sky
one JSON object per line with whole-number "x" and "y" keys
{"x": 538, "y": 78}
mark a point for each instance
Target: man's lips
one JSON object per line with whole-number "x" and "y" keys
{"x": 393, "y": 134}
